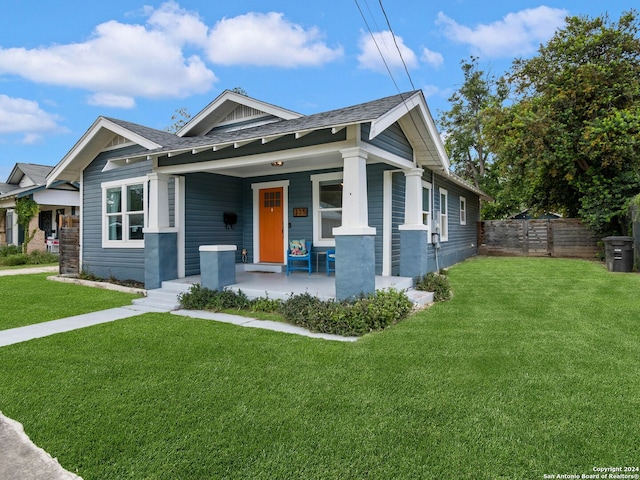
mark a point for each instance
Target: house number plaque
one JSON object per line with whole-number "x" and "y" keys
{"x": 300, "y": 212}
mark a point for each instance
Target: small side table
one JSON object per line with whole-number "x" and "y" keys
{"x": 318, "y": 254}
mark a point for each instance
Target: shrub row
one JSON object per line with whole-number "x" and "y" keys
{"x": 437, "y": 283}
{"x": 10, "y": 256}
{"x": 367, "y": 314}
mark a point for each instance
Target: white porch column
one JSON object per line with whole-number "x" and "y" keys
{"x": 160, "y": 240}
{"x": 158, "y": 201}
{"x": 355, "y": 209}
{"x": 413, "y": 201}
{"x": 355, "y": 249}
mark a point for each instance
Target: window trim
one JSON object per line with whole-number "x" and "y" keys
{"x": 123, "y": 184}
{"x": 317, "y": 227}
{"x": 444, "y": 217}
{"x": 463, "y": 210}
{"x": 428, "y": 187}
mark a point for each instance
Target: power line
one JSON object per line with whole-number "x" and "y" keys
{"x": 377, "y": 46}
{"x": 395, "y": 41}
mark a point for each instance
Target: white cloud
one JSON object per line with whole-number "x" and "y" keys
{"x": 434, "y": 59}
{"x": 371, "y": 46}
{"x": 182, "y": 26}
{"x": 434, "y": 91}
{"x": 267, "y": 40}
{"x": 18, "y": 115}
{"x": 32, "y": 138}
{"x": 119, "y": 59}
{"x": 517, "y": 34}
{"x": 111, "y": 100}
{"x": 165, "y": 57}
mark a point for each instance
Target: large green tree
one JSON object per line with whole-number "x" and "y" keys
{"x": 570, "y": 141}
{"x": 463, "y": 124}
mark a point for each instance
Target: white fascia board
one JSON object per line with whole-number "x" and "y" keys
{"x": 208, "y": 114}
{"x": 387, "y": 157}
{"x": 121, "y": 162}
{"x": 57, "y": 197}
{"x": 88, "y": 147}
{"x": 248, "y": 161}
{"x": 416, "y": 107}
{"x": 384, "y": 121}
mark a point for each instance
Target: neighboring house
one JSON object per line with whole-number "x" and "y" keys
{"x": 29, "y": 180}
{"x": 370, "y": 180}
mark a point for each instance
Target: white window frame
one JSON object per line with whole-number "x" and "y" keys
{"x": 463, "y": 210}
{"x": 317, "y": 226}
{"x": 444, "y": 215}
{"x": 426, "y": 214}
{"x": 123, "y": 184}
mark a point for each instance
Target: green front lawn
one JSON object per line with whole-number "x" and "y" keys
{"x": 29, "y": 299}
{"x": 532, "y": 368}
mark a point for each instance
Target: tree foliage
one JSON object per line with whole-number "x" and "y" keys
{"x": 464, "y": 124}
{"x": 179, "y": 118}
{"x": 26, "y": 208}
{"x": 570, "y": 141}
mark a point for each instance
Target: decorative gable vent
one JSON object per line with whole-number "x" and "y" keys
{"x": 240, "y": 113}
{"x": 117, "y": 141}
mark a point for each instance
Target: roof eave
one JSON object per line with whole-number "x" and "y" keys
{"x": 89, "y": 146}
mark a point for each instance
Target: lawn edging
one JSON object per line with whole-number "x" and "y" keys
{"x": 92, "y": 283}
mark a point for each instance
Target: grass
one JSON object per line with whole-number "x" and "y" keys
{"x": 532, "y": 368}
{"x": 19, "y": 267}
{"x": 29, "y": 299}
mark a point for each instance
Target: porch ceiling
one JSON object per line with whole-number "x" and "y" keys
{"x": 293, "y": 160}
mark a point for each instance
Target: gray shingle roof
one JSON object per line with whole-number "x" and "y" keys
{"x": 7, "y": 187}
{"x": 37, "y": 173}
{"x": 360, "y": 113}
{"x": 157, "y": 136}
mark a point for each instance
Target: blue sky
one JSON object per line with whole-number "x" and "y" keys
{"x": 63, "y": 64}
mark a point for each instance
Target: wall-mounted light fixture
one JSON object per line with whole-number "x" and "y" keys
{"x": 277, "y": 164}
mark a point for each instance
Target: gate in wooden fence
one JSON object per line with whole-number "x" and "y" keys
{"x": 69, "y": 226}
{"x": 564, "y": 237}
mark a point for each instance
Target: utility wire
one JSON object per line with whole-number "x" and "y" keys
{"x": 393, "y": 35}
{"x": 377, "y": 46}
{"x": 404, "y": 101}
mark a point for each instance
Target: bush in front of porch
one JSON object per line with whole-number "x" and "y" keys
{"x": 368, "y": 314}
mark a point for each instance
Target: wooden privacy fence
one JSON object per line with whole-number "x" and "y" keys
{"x": 69, "y": 226}
{"x": 564, "y": 237}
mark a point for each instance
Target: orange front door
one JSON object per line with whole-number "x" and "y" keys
{"x": 271, "y": 225}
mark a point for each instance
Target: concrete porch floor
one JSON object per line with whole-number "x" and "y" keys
{"x": 279, "y": 285}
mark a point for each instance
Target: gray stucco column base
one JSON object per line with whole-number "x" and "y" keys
{"x": 217, "y": 266}
{"x": 355, "y": 266}
{"x": 160, "y": 258}
{"x": 414, "y": 252}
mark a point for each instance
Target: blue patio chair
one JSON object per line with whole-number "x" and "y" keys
{"x": 331, "y": 260}
{"x": 300, "y": 253}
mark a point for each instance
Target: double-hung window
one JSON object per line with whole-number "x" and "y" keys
{"x": 124, "y": 213}
{"x": 327, "y": 207}
{"x": 444, "y": 215}
{"x": 426, "y": 204}
{"x": 463, "y": 211}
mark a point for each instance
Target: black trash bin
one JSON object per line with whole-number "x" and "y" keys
{"x": 619, "y": 253}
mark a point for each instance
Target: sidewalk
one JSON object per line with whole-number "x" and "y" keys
{"x": 28, "y": 270}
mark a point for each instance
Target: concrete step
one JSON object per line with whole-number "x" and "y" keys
{"x": 175, "y": 286}
{"x": 419, "y": 298}
{"x": 165, "y": 300}
{"x": 265, "y": 267}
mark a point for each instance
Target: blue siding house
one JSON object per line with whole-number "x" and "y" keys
{"x": 370, "y": 181}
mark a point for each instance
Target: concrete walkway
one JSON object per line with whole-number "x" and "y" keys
{"x": 28, "y": 270}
